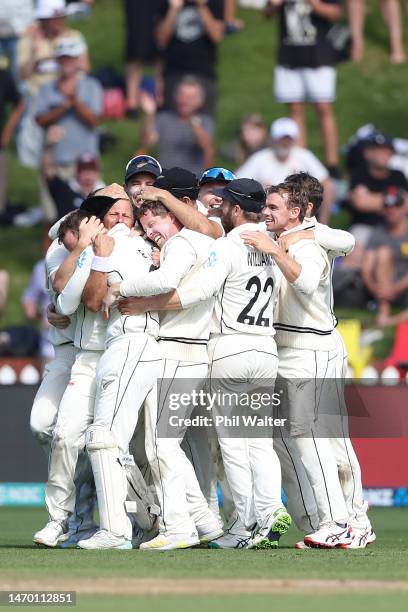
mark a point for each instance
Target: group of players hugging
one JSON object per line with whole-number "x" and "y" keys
{"x": 170, "y": 283}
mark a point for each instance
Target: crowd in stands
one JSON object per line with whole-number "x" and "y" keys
{"x": 53, "y": 103}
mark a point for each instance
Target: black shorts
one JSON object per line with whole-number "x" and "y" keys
{"x": 141, "y": 17}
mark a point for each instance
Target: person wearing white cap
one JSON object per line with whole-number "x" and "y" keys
{"x": 284, "y": 156}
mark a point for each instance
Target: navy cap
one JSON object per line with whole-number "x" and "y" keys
{"x": 142, "y": 164}
{"x": 247, "y": 193}
{"x": 179, "y": 182}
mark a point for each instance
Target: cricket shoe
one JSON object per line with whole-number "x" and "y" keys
{"x": 330, "y": 536}
{"x": 164, "y": 542}
{"x": 77, "y": 536}
{"x": 362, "y": 538}
{"x": 105, "y": 540}
{"x": 268, "y": 534}
{"x": 53, "y": 534}
{"x": 236, "y": 536}
{"x": 209, "y": 531}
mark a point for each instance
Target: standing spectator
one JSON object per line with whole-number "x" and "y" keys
{"x": 272, "y": 165}
{"x": 305, "y": 70}
{"x": 73, "y": 102}
{"x": 15, "y": 16}
{"x": 141, "y": 18}
{"x": 4, "y": 285}
{"x": 385, "y": 265}
{"x": 8, "y": 96}
{"x": 392, "y": 16}
{"x": 369, "y": 183}
{"x": 184, "y": 136}
{"x": 188, "y": 34}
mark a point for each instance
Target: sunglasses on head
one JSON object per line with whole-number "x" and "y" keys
{"x": 221, "y": 174}
{"x": 145, "y": 159}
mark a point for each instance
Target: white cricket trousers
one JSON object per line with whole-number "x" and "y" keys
{"x": 303, "y": 371}
{"x": 346, "y": 458}
{"x": 75, "y": 414}
{"x": 127, "y": 373}
{"x": 48, "y": 397}
{"x": 251, "y": 465}
{"x": 183, "y": 505}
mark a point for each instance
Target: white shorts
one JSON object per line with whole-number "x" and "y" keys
{"x": 305, "y": 84}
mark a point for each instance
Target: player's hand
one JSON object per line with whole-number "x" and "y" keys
{"x": 88, "y": 230}
{"x": 150, "y": 193}
{"x": 110, "y": 299}
{"x": 103, "y": 244}
{"x": 156, "y": 257}
{"x": 261, "y": 242}
{"x": 133, "y": 306}
{"x": 57, "y": 320}
{"x": 286, "y": 241}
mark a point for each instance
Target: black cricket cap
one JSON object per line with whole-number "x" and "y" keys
{"x": 247, "y": 193}
{"x": 179, "y": 182}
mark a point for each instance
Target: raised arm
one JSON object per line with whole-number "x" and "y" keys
{"x": 97, "y": 284}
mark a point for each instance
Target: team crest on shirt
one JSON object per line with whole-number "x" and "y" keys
{"x": 212, "y": 260}
{"x": 81, "y": 259}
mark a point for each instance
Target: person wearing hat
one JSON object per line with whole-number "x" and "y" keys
{"x": 241, "y": 347}
{"x": 141, "y": 171}
{"x": 284, "y": 156}
{"x": 35, "y": 50}
{"x": 77, "y": 286}
{"x": 368, "y": 184}
{"x": 178, "y": 190}
{"x": 212, "y": 178}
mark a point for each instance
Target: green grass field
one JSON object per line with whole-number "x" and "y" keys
{"x": 382, "y": 563}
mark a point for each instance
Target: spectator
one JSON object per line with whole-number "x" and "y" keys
{"x": 140, "y": 21}
{"x": 305, "y": 67}
{"x": 392, "y": 17}
{"x": 8, "y": 96}
{"x": 15, "y": 16}
{"x": 36, "y": 48}
{"x": 385, "y": 265}
{"x": 69, "y": 194}
{"x": 369, "y": 182}
{"x": 73, "y": 102}
{"x": 272, "y": 165}
{"x": 35, "y": 301}
{"x": 188, "y": 34}
{"x": 253, "y": 136}
{"x": 185, "y": 135}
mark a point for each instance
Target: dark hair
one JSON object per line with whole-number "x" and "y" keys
{"x": 311, "y": 185}
{"x": 296, "y": 197}
{"x": 71, "y": 223}
{"x": 157, "y": 209}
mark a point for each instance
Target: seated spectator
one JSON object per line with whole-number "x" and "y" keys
{"x": 15, "y": 16}
{"x": 69, "y": 194}
{"x": 272, "y": 165}
{"x": 8, "y": 96}
{"x": 184, "y": 136}
{"x": 385, "y": 265}
{"x": 188, "y": 33}
{"x": 73, "y": 102}
{"x": 253, "y": 136}
{"x": 369, "y": 182}
{"x": 35, "y": 301}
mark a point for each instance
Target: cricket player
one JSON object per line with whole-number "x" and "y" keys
{"x": 183, "y": 341}
{"x": 89, "y": 338}
{"x": 337, "y": 243}
{"x": 307, "y": 354}
{"x": 241, "y": 347}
